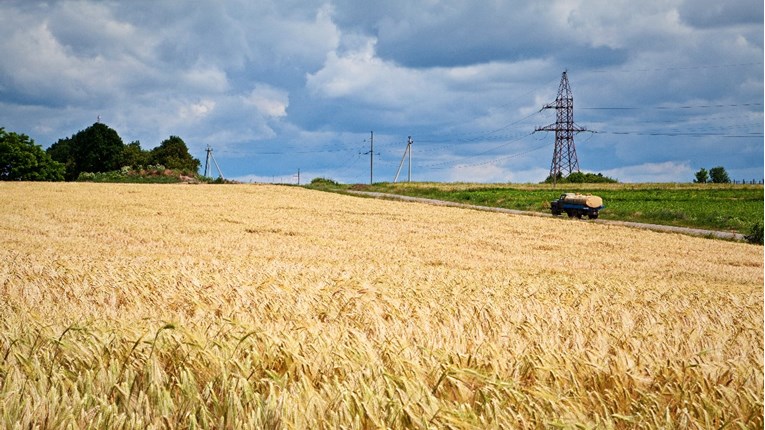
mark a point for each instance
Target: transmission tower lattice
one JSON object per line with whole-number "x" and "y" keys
{"x": 564, "y": 156}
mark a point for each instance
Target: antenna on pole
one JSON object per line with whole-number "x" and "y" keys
{"x": 408, "y": 150}
{"x": 564, "y": 154}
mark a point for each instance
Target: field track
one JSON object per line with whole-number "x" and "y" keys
{"x": 254, "y": 306}
{"x": 654, "y": 227}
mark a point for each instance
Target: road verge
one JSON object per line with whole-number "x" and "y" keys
{"x": 654, "y": 227}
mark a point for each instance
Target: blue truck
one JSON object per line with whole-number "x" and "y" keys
{"x": 577, "y": 205}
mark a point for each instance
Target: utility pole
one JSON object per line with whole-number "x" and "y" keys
{"x": 371, "y": 156}
{"x": 408, "y": 150}
{"x": 409, "y": 145}
{"x": 564, "y": 154}
{"x": 207, "y": 161}
{"x": 208, "y": 168}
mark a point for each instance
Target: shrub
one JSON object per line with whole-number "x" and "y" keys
{"x": 755, "y": 234}
{"x": 582, "y": 178}
{"x": 156, "y": 174}
{"x": 324, "y": 182}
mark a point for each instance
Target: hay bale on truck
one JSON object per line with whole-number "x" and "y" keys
{"x": 577, "y": 205}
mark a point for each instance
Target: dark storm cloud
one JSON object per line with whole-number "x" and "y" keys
{"x": 453, "y": 33}
{"x": 712, "y": 13}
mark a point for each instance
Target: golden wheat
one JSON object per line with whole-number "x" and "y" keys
{"x": 178, "y": 306}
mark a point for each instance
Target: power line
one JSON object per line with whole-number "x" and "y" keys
{"x": 444, "y": 164}
{"x": 671, "y": 107}
{"x": 290, "y": 152}
{"x": 497, "y": 160}
{"x": 480, "y": 136}
{"x": 674, "y": 134}
{"x": 663, "y": 69}
{"x": 477, "y": 136}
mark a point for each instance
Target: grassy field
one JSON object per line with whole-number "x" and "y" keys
{"x": 245, "y": 306}
{"x": 708, "y": 206}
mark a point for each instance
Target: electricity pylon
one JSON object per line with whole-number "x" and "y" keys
{"x": 564, "y": 154}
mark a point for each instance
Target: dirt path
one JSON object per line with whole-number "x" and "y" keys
{"x": 654, "y": 227}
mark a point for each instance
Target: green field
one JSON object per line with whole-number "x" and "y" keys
{"x": 708, "y": 206}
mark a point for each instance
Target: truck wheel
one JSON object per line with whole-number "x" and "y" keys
{"x": 579, "y": 215}
{"x": 570, "y": 214}
{"x": 593, "y": 215}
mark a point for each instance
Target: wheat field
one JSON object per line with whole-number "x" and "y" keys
{"x": 252, "y": 306}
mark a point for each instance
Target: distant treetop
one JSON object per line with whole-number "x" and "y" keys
{"x": 582, "y": 178}
{"x": 98, "y": 148}
{"x": 22, "y": 160}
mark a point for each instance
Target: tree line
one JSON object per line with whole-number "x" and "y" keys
{"x": 96, "y": 149}
{"x": 581, "y": 178}
{"x": 715, "y": 175}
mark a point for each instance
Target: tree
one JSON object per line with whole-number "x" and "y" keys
{"x": 718, "y": 175}
{"x": 22, "y": 160}
{"x": 98, "y": 148}
{"x": 61, "y": 151}
{"x": 133, "y": 156}
{"x": 702, "y": 177}
{"x": 173, "y": 154}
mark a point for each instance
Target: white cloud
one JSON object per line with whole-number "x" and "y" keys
{"x": 209, "y": 79}
{"x": 623, "y": 23}
{"x": 667, "y": 171}
{"x": 493, "y": 172}
{"x": 360, "y": 75}
{"x": 529, "y": 176}
{"x": 196, "y": 111}
{"x": 306, "y": 41}
{"x": 70, "y": 53}
{"x": 485, "y": 173}
{"x": 269, "y": 101}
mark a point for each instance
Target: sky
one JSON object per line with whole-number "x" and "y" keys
{"x": 277, "y": 87}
